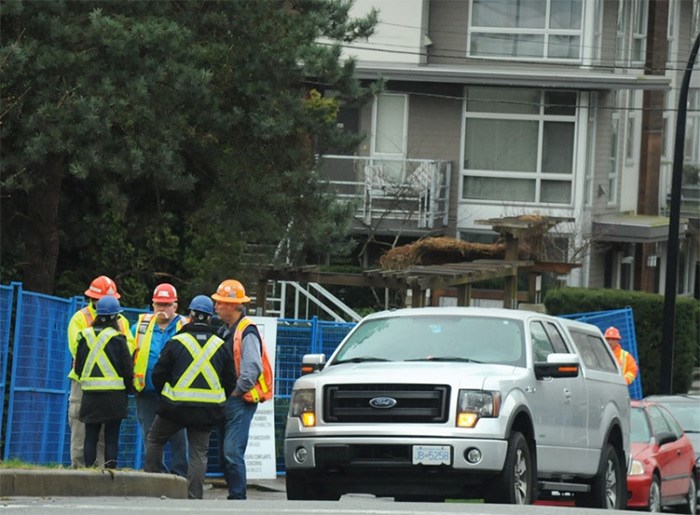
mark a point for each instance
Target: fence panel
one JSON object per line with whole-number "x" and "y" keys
{"x": 38, "y": 402}
{"x": 6, "y": 300}
{"x": 623, "y": 319}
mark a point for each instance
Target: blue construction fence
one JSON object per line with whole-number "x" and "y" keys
{"x": 34, "y": 413}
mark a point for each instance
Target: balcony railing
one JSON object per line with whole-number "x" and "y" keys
{"x": 690, "y": 201}
{"x": 410, "y": 193}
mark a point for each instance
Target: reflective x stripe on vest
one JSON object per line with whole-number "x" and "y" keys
{"x": 109, "y": 380}
{"x": 201, "y": 364}
{"x": 262, "y": 389}
{"x": 143, "y": 338}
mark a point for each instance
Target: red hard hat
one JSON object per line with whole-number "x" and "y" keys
{"x": 102, "y": 286}
{"x": 612, "y": 333}
{"x": 231, "y": 291}
{"x": 164, "y": 293}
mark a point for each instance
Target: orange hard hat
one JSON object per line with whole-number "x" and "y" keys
{"x": 231, "y": 291}
{"x": 102, "y": 286}
{"x": 612, "y": 333}
{"x": 164, "y": 293}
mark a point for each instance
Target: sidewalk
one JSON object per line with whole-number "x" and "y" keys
{"x": 42, "y": 482}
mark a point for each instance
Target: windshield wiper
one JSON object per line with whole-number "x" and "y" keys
{"x": 445, "y": 358}
{"x": 359, "y": 359}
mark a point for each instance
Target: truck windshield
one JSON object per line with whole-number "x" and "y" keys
{"x": 436, "y": 338}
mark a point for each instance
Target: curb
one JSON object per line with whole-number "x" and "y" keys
{"x": 90, "y": 482}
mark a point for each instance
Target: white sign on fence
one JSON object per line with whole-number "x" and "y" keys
{"x": 260, "y": 457}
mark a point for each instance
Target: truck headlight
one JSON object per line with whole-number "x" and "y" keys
{"x": 475, "y": 404}
{"x": 303, "y": 406}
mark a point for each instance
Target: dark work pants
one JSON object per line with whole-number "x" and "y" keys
{"x": 198, "y": 446}
{"x": 92, "y": 434}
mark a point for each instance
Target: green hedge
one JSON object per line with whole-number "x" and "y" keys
{"x": 648, "y": 312}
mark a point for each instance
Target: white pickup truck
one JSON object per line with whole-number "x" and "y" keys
{"x": 434, "y": 403}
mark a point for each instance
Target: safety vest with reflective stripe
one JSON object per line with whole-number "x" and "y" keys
{"x": 83, "y": 319}
{"x": 627, "y": 364}
{"x": 263, "y": 388}
{"x": 98, "y": 360}
{"x": 183, "y": 391}
{"x": 144, "y": 335}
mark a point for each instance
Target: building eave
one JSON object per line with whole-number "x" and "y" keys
{"x": 537, "y": 76}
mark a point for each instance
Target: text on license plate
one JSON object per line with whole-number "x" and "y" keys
{"x": 432, "y": 454}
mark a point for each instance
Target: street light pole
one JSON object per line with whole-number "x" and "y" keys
{"x": 667, "y": 330}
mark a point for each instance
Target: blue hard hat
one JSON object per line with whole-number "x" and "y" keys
{"x": 203, "y": 304}
{"x": 108, "y": 305}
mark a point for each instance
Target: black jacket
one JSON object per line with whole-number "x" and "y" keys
{"x": 174, "y": 359}
{"x": 98, "y": 407}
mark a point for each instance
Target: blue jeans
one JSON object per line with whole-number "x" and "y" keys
{"x": 233, "y": 440}
{"x": 146, "y": 405}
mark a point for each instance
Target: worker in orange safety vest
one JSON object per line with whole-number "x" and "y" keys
{"x": 626, "y": 361}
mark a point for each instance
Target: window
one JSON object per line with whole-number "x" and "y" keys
{"x": 590, "y": 156}
{"x": 692, "y": 130}
{"x": 614, "y": 163}
{"x": 556, "y": 338}
{"x": 696, "y": 20}
{"x": 658, "y": 422}
{"x": 672, "y": 422}
{"x": 525, "y": 29}
{"x": 630, "y": 139}
{"x": 389, "y": 137}
{"x": 640, "y": 11}
{"x": 631, "y": 31}
{"x": 541, "y": 346}
{"x": 594, "y": 352}
{"x": 519, "y": 145}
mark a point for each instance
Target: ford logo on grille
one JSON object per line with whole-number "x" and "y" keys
{"x": 382, "y": 402}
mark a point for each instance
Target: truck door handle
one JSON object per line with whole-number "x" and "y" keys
{"x": 567, "y": 395}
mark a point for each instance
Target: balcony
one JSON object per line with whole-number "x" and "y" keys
{"x": 392, "y": 196}
{"x": 690, "y": 201}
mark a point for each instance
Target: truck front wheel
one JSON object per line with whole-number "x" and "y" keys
{"x": 514, "y": 485}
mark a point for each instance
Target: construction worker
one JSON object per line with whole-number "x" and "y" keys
{"x": 103, "y": 362}
{"x": 626, "y": 361}
{"x": 80, "y": 320}
{"x": 240, "y": 335}
{"x": 194, "y": 375}
{"x": 151, "y": 332}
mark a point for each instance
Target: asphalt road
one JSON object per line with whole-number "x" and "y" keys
{"x": 266, "y": 503}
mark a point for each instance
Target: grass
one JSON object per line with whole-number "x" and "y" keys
{"x": 14, "y": 463}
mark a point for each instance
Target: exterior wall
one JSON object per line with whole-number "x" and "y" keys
{"x": 399, "y": 35}
{"x": 448, "y": 32}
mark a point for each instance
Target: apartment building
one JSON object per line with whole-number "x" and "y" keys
{"x": 563, "y": 108}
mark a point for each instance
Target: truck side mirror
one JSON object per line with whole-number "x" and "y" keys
{"x": 311, "y": 363}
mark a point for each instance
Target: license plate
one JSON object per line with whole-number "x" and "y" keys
{"x": 432, "y": 454}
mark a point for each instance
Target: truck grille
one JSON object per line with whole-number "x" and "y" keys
{"x": 417, "y": 403}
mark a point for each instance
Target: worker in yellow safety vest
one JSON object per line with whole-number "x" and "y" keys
{"x": 194, "y": 375}
{"x": 627, "y": 363}
{"x": 152, "y": 331}
{"x": 80, "y": 320}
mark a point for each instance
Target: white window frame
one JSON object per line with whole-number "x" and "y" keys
{"x": 546, "y": 32}
{"x": 615, "y": 161}
{"x": 629, "y": 12}
{"x": 695, "y": 24}
{"x": 589, "y": 174}
{"x": 691, "y": 148}
{"x": 631, "y": 138}
{"x": 538, "y": 175}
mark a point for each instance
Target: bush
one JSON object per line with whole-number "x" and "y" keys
{"x": 648, "y": 312}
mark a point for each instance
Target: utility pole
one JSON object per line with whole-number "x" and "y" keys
{"x": 667, "y": 330}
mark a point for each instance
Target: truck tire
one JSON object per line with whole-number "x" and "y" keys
{"x": 515, "y": 484}
{"x": 608, "y": 486}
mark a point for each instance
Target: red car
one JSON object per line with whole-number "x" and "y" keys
{"x": 662, "y": 472}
